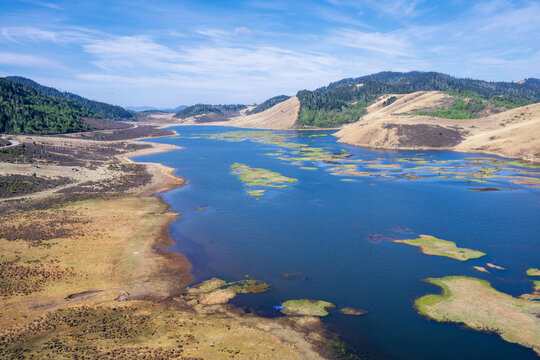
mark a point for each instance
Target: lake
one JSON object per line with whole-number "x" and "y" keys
{"x": 321, "y": 228}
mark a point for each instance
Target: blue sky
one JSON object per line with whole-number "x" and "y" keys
{"x": 166, "y": 53}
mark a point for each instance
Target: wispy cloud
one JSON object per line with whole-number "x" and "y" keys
{"x": 49, "y": 5}
{"x": 391, "y": 43}
{"x": 248, "y": 50}
{"x": 17, "y": 59}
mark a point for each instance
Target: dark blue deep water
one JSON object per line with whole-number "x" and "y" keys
{"x": 320, "y": 227}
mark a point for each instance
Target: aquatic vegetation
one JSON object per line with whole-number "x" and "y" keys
{"x": 202, "y": 208}
{"x": 476, "y": 304}
{"x": 493, "y": 266}
{"x": 411, "y": 160}
{"x": 473, "y": 170}
{"x": 383, "y": 166}
{"x": 485, "y": 189}
{"x": 294, "y": 275}
{"x": 432, "y": 246}
{"x": 381, "y": 237}
{"x": 402, "y": 229}
{"x": 256, "y": 193}
{"x": 306, "y": 307}
{"x": 348, "y": 310}
{"x": 260, "y": 177}
{"x": 481, "y": 269}
{"x": 533, "y": 272}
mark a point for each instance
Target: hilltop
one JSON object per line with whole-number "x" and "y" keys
{"x": 26, "y": 110}
{"x": 102, "y": 109}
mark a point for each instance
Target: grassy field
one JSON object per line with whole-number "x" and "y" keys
{"x": 476, "y": 304}
{"x": 95, "y": 285}
{"x": 430, "y": 245}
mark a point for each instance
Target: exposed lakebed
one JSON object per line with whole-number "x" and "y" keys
{"x": 339, "y": 235}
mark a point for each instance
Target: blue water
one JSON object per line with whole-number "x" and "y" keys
{"x": 320, "y": 226}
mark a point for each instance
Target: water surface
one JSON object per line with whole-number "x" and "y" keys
{"x": 320, "y": 227}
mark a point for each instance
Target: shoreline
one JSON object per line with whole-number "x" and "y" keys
{"x": 107, "y": 251}
{"x": 167, "y": 181}
{"x": 424, "y": 148}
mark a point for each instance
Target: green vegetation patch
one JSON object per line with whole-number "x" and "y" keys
{"x": 348, "y": 310}
{"x": 430, "y": 245}
{"x": 479, "y": 306}
{"x": 533, "y": 272}
{"x": 306, "y": 307}
{"x": 256, "y": 193}
{"x": 261, "y": 177}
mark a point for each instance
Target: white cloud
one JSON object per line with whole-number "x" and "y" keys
{"x": 16, "y": 59}
{"x": 243, "y": 31}
{"x": 392, "y": 43}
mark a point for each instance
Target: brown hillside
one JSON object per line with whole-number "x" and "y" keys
{"x": 512, "y": 133}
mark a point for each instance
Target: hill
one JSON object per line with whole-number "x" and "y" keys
{"x": 102, "y": 109}
{"x": 267, "y": 104}
{"x": 511, "y": 133}
{"x": 27, "y": 110}
{"x": 215, "y": 112}
{"x": 345, "y": 101}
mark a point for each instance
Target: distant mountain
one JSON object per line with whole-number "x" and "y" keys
{"x": 104, "y": 110}
{"x": 150, "y": 108}
{"x": 344, "y": 101}
{"x": 27, "y": 110}
{"x": 268, "y": 104}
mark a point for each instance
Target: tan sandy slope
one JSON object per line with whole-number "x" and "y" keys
{"x": 281, "y": 116}
{"x": 513, "y": 133}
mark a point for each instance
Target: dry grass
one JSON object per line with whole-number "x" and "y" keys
{"x": 88, "y": 279}
{"x": 476, "y": 304}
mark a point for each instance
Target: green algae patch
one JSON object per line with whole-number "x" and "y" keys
{"x": 533, "y": 272}
{"x": 349, "y": 310}
{"x": 308, "y": 168}
{"x": 256, "y": 193}
{"x": 479, "y": 306}
{"x": 430, "y": 245}
{"x": 261, "y": 177}
{"x": 306, "y": 307}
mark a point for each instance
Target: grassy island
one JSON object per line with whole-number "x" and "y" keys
{"x": 430, "y": 245}
{"x": 479, "y": 306}
{"x": 348, "y": 310}
{"x": 306, "y": 307}
{"x": 533, "y": 272}
{"x": 260, "y": 177}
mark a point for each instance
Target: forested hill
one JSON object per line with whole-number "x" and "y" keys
{"x": 201, "y": 109}
{"x": 428, "y": 81}
{"x": 104, "y": 110}
{"x": 29, "y": 111}
{"x": 345, "y": 101}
